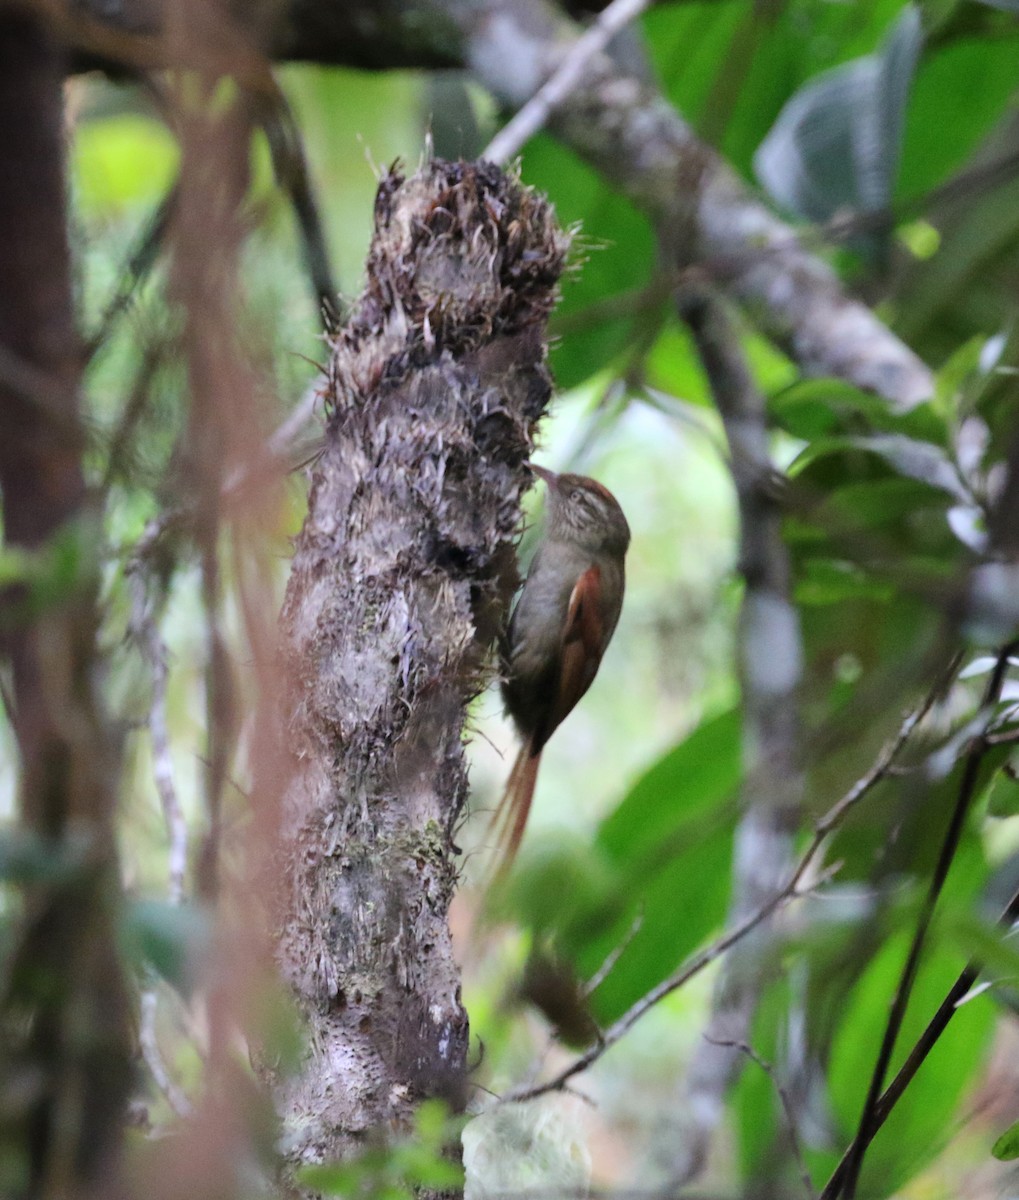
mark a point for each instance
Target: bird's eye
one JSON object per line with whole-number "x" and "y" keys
{"x": 575, "y": 494}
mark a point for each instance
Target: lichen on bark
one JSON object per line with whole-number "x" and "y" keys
{"x": 399, "y": 582}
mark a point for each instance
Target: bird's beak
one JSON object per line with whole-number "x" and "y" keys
{"x": 550, "y": 477}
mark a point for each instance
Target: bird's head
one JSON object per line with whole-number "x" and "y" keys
{"x": 584, "y": 511}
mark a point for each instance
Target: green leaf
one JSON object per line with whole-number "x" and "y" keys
{"x": 826, "y": 581}
{"x": 940, "y": 132}
{"x": 1006, "y": 1148}
{"x": 1003, "y": 796}
{"x": 985, "y": 941}
{"x": 122, "y": 161}
{"x": 836, "y": 143}
{"x": 615, "y": 255}
{"x": 169, "y": 938}
{"x": 669, "y": 844}
{"x": 917, "y": 1128}
{"x": 811, "y": 408}
{"x": 922, "y": 461}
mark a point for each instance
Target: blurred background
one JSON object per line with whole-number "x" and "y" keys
{"x": 889, "y": 133}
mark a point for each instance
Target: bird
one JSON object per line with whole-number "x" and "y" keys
{"x": 560, "y": 627}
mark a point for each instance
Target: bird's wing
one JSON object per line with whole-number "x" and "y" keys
{"x": 583, "y": 643}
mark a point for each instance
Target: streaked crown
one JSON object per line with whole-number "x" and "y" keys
{"x": 583, "y": 510}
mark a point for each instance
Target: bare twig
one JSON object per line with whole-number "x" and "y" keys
{"x": 290, "y": 166}
{"x": 141, "y": 261}
{"x": 613, "y": 956}
{"x": 146, "y": 633}
{"x": 534, "y": 115}
{"x": 688, "y": 971}
{"x": 787, "y": 1107}
{"x": 153, "y": 1056}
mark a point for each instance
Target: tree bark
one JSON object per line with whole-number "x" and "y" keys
{"x": 399, "y": 583}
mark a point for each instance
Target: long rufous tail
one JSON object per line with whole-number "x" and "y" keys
{"x": 511, "y": 816}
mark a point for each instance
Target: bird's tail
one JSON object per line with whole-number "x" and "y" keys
{"x": 511, "y": 816}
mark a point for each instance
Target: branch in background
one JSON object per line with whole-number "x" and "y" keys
{"x": 787, "y": 1108}
{"x": 918, "y": 1055}
{"x": 290, "y": 166}
{"x": 145, "y": 631}
{"x": 566, "y": 78}
{"x": 139, "y": 264}
{"x": 153, "y": 1056}
{"x": 206, "y": 241}
{"x": 703, "y": 213}
{"x": 793, "y": 887}
{"x": 770, "y": 658}
{"x": 875, "y": 1108}
{"x": 626, "y": 129}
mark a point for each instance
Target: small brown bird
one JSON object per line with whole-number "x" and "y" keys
{"x": 563, "y": 620}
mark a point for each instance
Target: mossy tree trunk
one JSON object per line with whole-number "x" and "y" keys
{"x": 399, "y": 582}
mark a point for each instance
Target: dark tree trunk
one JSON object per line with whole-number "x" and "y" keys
{"x": 64, "y": 1063}
{"x": 399, "y": 582}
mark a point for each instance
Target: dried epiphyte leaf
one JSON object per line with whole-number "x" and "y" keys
{"x": 461, "y": 254}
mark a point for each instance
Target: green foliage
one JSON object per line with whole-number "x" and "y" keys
{"x": 836, "y": 143}
{"x": 170, "y": 939}
{"x": 1006, "y": 1148}
{"x": 396, "y": 1170}
{"x": 613, "y": 258}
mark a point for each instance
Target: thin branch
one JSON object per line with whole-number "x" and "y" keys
{"x": 139, "y": 264}
{"x": 146, "y": 633}
{"x": 949, "y": 846}
{"x": 290, "y": 167}
{"x": 153, "y": 1056}
{"x": 613, "y": 956}
{"x": 770, "y": 654}
{"x": 564, "y": 80}
{"x": 787, "y": 1107}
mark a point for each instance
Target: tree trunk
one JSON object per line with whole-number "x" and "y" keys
{"x": 399, "y": 584}
{"x": 64, "y": 1064}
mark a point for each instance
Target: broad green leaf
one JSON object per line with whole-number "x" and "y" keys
{"x": 986, "y": 941}
{"x": 809, "y": 408}
{"x": 1003, "y": 796}
{"x": 669, "y": 843}
{"x": 826, "y": 581}
{"x": 940, "y": 131}
{"x": 600, "y": 315}
{"x": 730, "y": 67}
{"x": 836, "y": 143}
{"x": 921, "y": 1122}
